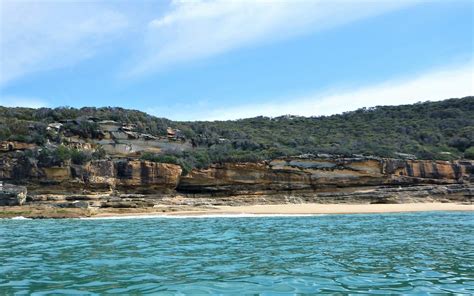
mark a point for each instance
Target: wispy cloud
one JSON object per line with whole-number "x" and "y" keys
{"x": 15, "y": 101}
{"x": 198, "y": 29}
{"x": 435, "y": 85}
{"x": 43, "y": 35}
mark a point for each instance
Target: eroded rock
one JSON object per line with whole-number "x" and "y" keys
{"x": 295, "y": 177}
{"x": 316, "y": 174}
{"x": 12, "y": 195}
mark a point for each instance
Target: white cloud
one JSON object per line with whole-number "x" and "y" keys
{"x": 433, "y": 86}
{"x": 43, "y": 35}
{"x": 15, "y": 101}
{"x": 199, "y": 29}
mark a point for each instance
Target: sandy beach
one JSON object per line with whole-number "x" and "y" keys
{"x": 276, "y": 209}
{"x": 345, "y": 208}
{"x": 306, "y": 209}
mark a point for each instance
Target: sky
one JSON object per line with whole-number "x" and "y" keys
{"x": 219, "y": 60}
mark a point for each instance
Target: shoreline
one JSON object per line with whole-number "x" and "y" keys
{"x": 307, "y": 209}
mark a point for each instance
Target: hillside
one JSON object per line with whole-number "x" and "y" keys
{"x": 431, "y": 130}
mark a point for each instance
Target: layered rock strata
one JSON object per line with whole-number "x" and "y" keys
{"x": 95, "y": 176}
{"x": 300, "y": 174}
{"x": 328, "y": 179}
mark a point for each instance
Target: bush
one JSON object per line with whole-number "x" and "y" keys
{"x": 186, "y": 160}
{"x": 80, "y": 157}
{"x": 53, "y": 157}
{"x": 469, "y": 153}
{"x": 62, "y": 153}
{"x": 159, "y": 158}
{"x": 426, "y": 130}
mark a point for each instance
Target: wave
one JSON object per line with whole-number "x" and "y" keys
{"x": 20, "y": 218}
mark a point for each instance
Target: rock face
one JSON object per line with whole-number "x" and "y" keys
{"x": 319, "y": 174}
{"x": 96, "y": 175}
{"x": 134, "y": 174}
{"x": 135, "y": 183}
{"x": 11, "y": 195}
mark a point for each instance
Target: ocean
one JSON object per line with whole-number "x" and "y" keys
{"x": 410, "y": 253}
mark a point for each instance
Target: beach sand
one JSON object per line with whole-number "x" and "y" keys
{"x": 281, "y": 209}
{"x": 308, "y": 209}
{"x": 345, "y": 208}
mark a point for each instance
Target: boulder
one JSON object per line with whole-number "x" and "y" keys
{"x": 12, "y": 195}
{"x": 79, "y": 204}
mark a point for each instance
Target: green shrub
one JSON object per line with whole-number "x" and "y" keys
{"x": 469, "y": 153}
{"x": 80, "y": 157}
{"x": 62, "y": 153}
{"x": 423, "y": 129}
{"x": 159, "y": 158}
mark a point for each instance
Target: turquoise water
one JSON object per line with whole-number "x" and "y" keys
{"x": 418, "y": 253}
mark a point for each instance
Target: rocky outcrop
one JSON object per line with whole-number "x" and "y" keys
{"x": 350, "y": 195}
{"x": 318, "y": 174}
{"x": 136, "y": 183}
{"x": 415, "y": 171}
{"x": 121, "y": 174}
{"x": 131, "y": 174}
{"x": 355, "y": 195}
{"x": 11, "y": 195}
{"x": 15, "y": 145}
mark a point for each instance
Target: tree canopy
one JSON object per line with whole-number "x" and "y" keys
{"x": 429, "y": 130}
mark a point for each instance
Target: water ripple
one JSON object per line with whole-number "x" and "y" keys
{"x": 416, "y": 253}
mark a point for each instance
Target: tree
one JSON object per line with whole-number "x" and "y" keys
{"x": 469, "y": 153}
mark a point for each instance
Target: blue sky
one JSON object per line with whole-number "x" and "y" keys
{"x": 208, "y": 60}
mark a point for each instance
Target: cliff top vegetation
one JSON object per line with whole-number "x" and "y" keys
{"x": 429, "y": 130}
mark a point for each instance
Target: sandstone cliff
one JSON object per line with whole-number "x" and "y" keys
{"x": 313, "y": 174}
{"x": 135, "y": 183}
{"x": 99, "y": 175}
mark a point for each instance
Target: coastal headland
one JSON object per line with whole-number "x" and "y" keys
{"x": 324, "y": 184}
{"x": 68, "y": 162}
